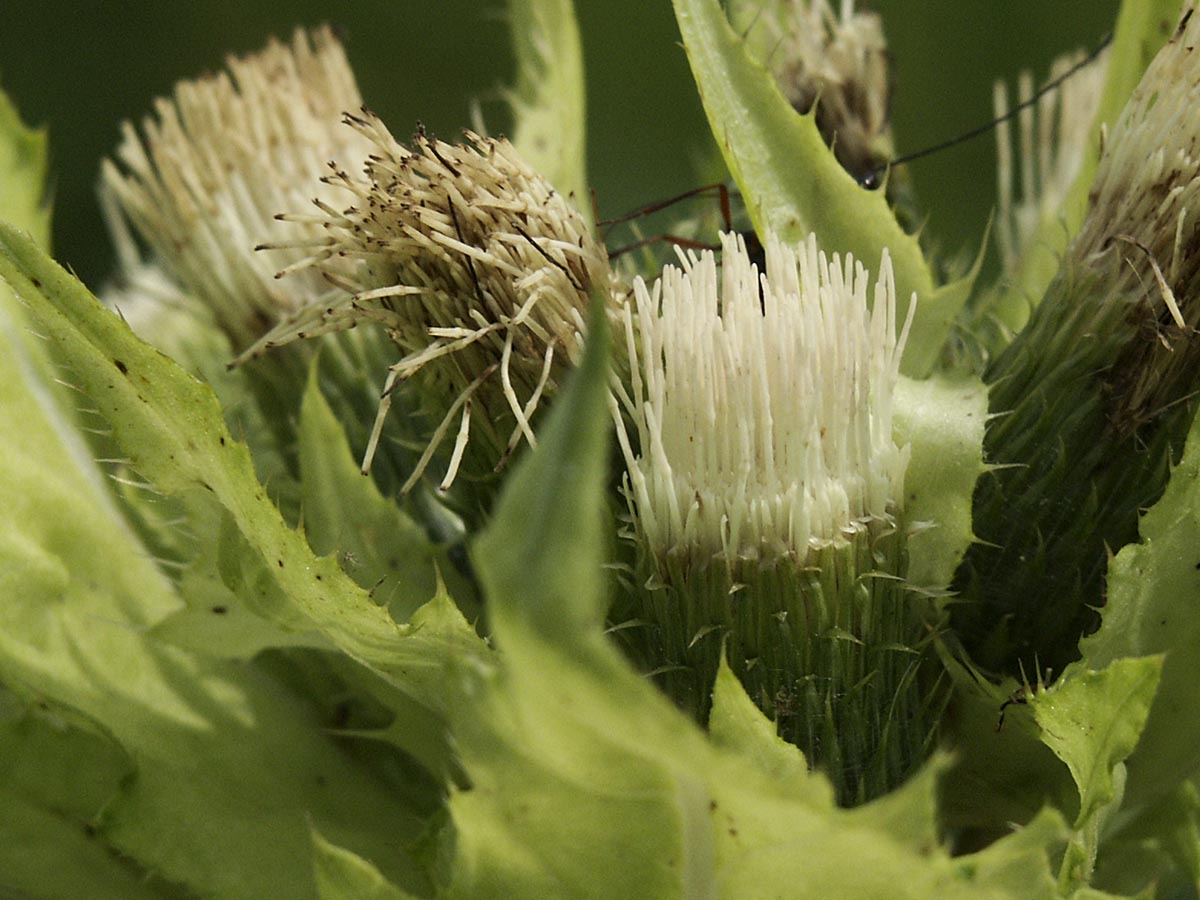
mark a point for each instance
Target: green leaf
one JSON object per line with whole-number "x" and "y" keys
{"x": 1002, "y": 772}
{"x": 1161, "y": 845}
{"x": 1092, "y": 721}
{"x": 181, "y": 326}
{"x": 792, "y": 183}
{"x": 22, "y": 188}
{"x": 1148, "y": 893}
{"x": 739, "y": 726}
{"x": 229, "y": 767}
{"x": 1016, "y": 866}
{"x": 942, "y": 419}
{"x": 548, "y": 100}
{"x": 55, "y": 780}
{"x": 1153, "y": 607}
{"x": 170, "y": 427}
{"x": 550, "y": 528}
{"x": 43, "y": 854}
{"x": 344, "y": 875}
{"x": 343, "y": 513}
{"x": 23, "y": 174}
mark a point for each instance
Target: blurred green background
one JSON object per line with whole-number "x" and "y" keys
{"x": 82, "y": 67}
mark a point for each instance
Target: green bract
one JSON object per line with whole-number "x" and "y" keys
{"x": 231, "y": 666}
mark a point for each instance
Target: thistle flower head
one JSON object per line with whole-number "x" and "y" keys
{"x": 837, "y": 62}
{"x": 201, "y": 185}
{"x": 763, "y": 404}
{"x": 475, "y": 267}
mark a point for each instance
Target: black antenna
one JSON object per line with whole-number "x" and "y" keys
{"x": 871, "y": 180}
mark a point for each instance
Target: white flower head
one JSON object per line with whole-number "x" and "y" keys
{"x": 202, "y": 185}
{"x": 762, "y": 404}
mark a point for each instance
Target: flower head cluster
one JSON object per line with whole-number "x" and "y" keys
{"x": 203, "y": 183}
{"x": 763, "y": 404}
{"x": 474, "y": 265}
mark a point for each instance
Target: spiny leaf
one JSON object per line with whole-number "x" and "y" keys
{"x": 170, "y": 427}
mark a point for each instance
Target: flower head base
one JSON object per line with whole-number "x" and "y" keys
{"x": 220, "y": 160}
{"x": 763, "y": 407}
{"x": 475, "y": 267}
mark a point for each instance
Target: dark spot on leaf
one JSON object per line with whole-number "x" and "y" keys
{"x": 36, "y": 283}
{"x": 121, "y": 367}
{"x": 222, "y": 442}
{"x": 220, "y": 610}
{"x": 280, "y": 561}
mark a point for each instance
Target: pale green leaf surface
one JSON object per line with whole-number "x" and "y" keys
{"x": 220, "y": 573}
{"x": 170, "y": 426}
{"x": 793, "y": 184}
{"x": 1153, "y": 607}
{"x": 737, "y": 725}
{"x": 55, "y": 779}
{"x": 1016, "y": 866}
{"x": 1161, "y": 843}
{"x": 72, "y": 770}
{"x": 175, "y": 322}
{"x": 1092, "y": 721}
{"x": 550, "y": 530}
{"x": 380, "y": 546}
{"x": 586, "y": 782}
{"x": 548, "y": 99}
{"x": 23, "y": 168}
{"x": 344, "y": 875}
{"x": 231, "y": 772}
{"x": 413, "y": 728}
{"x": 229, "y": 767}
{"x": 942, "y": 419}
{"x": 44, "y": 855}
